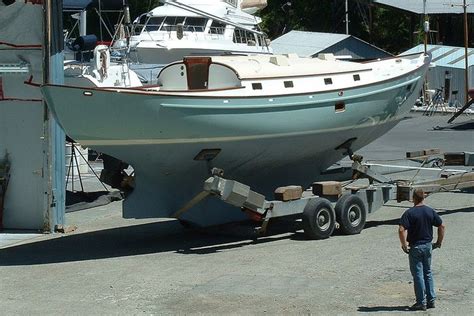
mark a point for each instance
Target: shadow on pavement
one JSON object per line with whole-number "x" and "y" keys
{"x": 137, "y": 240}
{"x": 156, "y": 238}
{"x": 367, "y": 309}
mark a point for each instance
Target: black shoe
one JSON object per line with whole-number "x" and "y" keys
{"x": 417, "y": 307}
{"x": 430, "y": 304}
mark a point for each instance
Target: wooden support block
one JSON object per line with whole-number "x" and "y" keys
{"x": 288, "y": 193}
{"x": 455, "y": 158}
{"x": 65, "y": 229}
{"x": 469, "y": 159}
{"x": 332, "y": 188}
{"x": 431, "y": 151}
{"x": 413, "y": 154}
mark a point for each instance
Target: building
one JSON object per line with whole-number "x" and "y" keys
{"x": 31, "y": 142}
{"x": 449, "y": 63}
{"x": 310, "y": 44}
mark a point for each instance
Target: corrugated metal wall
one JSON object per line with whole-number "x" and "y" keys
{"x": 436, "y": 77}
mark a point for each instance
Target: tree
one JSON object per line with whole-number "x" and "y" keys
{"x": 389, "y": 29}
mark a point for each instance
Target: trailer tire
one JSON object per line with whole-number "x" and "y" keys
{"x": 351, "y": 214}
{"x": 319, "y": 219}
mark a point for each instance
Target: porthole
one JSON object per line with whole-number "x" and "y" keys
{"x": 257, "y": 86}
{"x": 288, "y": 84}
{"x": 327, "y": 81}
{"x": 356, "y": 77}
{"x": 340, "y": 107}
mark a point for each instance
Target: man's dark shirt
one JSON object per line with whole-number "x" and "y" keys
{"x": 419, "y": 222}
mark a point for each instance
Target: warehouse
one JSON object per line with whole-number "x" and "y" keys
{"x": 310, "y": 44}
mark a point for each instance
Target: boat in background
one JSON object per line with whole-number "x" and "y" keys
{"x": 87, "y": 61}
{"x": 267, "y": 121}
{"x": 194, "y": 28}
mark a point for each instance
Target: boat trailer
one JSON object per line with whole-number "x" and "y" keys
{"x": 331, "y": 204}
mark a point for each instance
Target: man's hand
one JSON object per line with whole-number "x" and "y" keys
{"x": 405, "y": 248}
{"x": 436, "y": 245}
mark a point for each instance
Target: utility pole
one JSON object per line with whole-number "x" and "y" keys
{"x": 347, "y": 16}
{"x": 426, "y": 26}
{"x": 426, "y": 30}
{"x": 466, "y": 36}
{"x": 466, "y": 57}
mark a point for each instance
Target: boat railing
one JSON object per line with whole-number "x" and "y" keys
{"x": 189, "y": 33}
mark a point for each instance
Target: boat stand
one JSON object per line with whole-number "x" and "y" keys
{"x": 331, "y": 204}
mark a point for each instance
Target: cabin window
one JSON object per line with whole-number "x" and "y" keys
{"x": 327, "y": 81}
{"x": 288, "y": 84}
{"x": 217, "y": 28}
{"x": 197, "y": 69}
{"x": 243, "y": 37}
{"x": 170, "y": 23}
{"x": 257, "y": 86}
{"x": 195, "y": 24}
{"x": 356, "y": 77}
{"x": 154, "y": 23}
{"x": 232, "y": 3}
{"x": 340, "y": 107}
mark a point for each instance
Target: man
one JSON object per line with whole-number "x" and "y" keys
{"x": 416, "y": 234}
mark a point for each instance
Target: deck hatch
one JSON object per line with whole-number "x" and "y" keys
{"x": 197, "y": 69}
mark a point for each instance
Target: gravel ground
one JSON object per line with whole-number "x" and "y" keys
{"x": 116, "y": 266}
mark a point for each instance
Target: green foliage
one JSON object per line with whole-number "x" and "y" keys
{"x": 391, "y": 31}
{"x": 138, "y": 7}
{"x": 389, "y": 28}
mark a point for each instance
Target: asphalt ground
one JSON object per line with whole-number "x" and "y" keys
{"x": 112, "y": 266}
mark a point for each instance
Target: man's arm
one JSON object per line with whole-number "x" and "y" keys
{"x": 402, "y": 234}
{"x": 439, "y": 241}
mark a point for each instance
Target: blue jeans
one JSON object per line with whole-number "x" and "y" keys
{"x": 420, "y": 267}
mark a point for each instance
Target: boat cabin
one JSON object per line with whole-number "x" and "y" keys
{"x": 218, "y": 20}
{"x": 197, "y": 73}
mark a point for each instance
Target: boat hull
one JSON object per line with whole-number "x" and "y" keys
{"x": 264, "y": 142}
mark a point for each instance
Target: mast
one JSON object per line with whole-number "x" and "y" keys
{"x": 466, "y": 36}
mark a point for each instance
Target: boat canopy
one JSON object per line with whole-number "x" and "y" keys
{"x": 79, "y": 5}
{"x": 170, "y": 11}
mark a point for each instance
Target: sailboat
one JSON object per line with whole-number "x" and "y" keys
{"x": 266, "y": 120}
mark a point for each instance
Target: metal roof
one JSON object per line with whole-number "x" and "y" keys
{"x": 446, "y": 56}
{"x": 305, "y": 44}
{"x": 432, "y": 6}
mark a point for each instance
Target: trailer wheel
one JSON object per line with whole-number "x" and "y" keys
{"x": 319, "y": 219}
{"x": 351, "y": 214}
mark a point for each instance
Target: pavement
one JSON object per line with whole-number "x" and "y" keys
{"x": 114, "y": 266}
